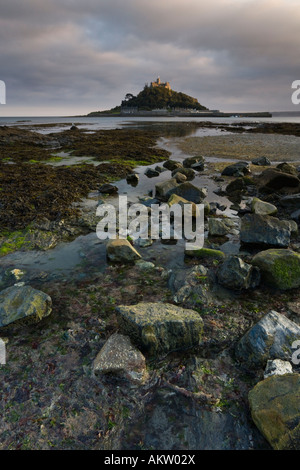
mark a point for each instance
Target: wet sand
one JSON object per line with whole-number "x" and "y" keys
{"x": 276, "y": 147}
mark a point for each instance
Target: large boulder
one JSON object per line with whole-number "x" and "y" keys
{"x": 121, "y": 251}
{"x": 271, "y": 338}
{"x": 288, "y": 168}
{"x": 273, "y": 179}
{"x": 274, "y": 404}
{"x": 159, "y": 328}
{"x": 279, "y": 268}
{"x": 220, "y": 227}
{"x": 23, "y": 303}
{"x": 174, "y": 199}
{"x": 267, "y": 230}
{"x": 235, "y": 274}
{"x": 263, "y": 208}
{"x": 120, "y": 358}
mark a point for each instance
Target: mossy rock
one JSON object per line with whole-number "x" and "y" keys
{"x": 203, "y": 253}
{"x": 280, "y": 268}
{"x": 275, "y": 410}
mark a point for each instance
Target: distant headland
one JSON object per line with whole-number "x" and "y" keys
{"x": 158, "y": 99}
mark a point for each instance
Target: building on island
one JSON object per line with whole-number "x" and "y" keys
{"x": 158, "y": 83}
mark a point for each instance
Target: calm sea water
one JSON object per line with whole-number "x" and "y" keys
{"x": 120, "y": 122}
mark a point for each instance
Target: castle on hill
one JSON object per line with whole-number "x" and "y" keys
{"x": 160, "y": 84}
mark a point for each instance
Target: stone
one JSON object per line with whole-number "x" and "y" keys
{"x": 187, "y": 172}
{"x": 235, "y": 274}
{"x": 280, "y": 268}
{"x": 274, "y": 405}
{"x": 188, "y": 162}
{"x": 291, "y": 201}
{"x": 132, "y": 179}
{"x": 267, "y": 230}
{"x": 189, "y": 192}
{"x": 199, "y": 166}
{"x": 261, "y": 161}
{"x": 23, "y": 303}
{"x": 144, "y": 265}
{"x": 277, "y": 367}
{"x": 180, "y": 178}
{"x": 159, "y": 328}
{"x": 120, "y": 358}
{"x": 108, "y": 188}
{"x": 236, "y": 185}
{"x": 273, "y": 179}
{"x": 288, "y": 168}
{"x": 191, "y": 286}
{"x": 165, "y": 188}
{"x": 203, "y": 253}
{"x": 174, "y": 199}
{"x": 219, "y": 227}
{"x": 172, "y": 165}
{"x": 150, "y": 173}
{"x": 270, "y": 338}
{"x": 121, "y": 251}
{"x": 236, "y": 169}
{"x": 263, "y": 208}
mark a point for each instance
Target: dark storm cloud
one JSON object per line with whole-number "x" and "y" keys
{"x": 73, "y": 56}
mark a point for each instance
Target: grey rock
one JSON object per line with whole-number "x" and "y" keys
{"x": 108, "y": 188}
{"x": 189, "y": 192}
{"x": 165, "y": 188}
{"x": 188, "y": 162}
{"x": 189, "y": 173}
{"x": 172, "y": 165}
{"x": 120, "y": 250}
{"x": 23, "y": 303}
{"x": 235, "y": 274}
{"x": 159, "y": 328}
{"x": 261, "y": 161}
{"x": 262, "y": 207}
{"x": 270, "y": 338}
{"x": 150, "y": 173}
{"x": 236, "y": 169}
{"x": 120, "y": 358}
{"x": 266, "y": 230}
{"x": 220, "y": 227}
{"x": 277, "y": 367}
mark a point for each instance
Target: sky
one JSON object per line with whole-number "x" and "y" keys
{"x": 71, "y": 57}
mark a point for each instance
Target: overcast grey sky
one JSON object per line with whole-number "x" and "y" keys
{"x": 62, "y": 57}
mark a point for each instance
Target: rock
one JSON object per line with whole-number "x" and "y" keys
{"x": 160, "y": 169}
{"x": 180, "y": 178}
{"x": 144, "y": 265}
{"x": 267, "y": 230}
{"x": 287, "y": 168}
{"x": 235, "y": 274}
{"x": 108, "y": 189}
{"x": 188, "y": 162}
{"x": 187, "y": 172}
{"x": 274, "y": 404}
{"x": 199, "y": 166}
{"x": 291, "y": 202}
{"x": 165, "y": 188}
{"x": 119, "y": 357}
{"x": 150, "y": 173}
{"x": 120, "y": 250}
{"x": 189, "y": 192}
{"x": 236, "y": 185}
{"x": 174, "y": 199}
{"x": 262, "y": 207}
{"x": 203, "y": 253}
{"x": 279, "y": 268}
{"x": 132, "y": 179}
{"x": 191, "y": 286}
{"x": 270, "y": 338}
{"x": 172, "y": 165}
{"x": 219, "y": 227}
{"x": 277, "y": 367}
{"x": 20, "y": 303}
{"x": 273, "y": 179}
{"x": 159, "y": 328}
{"x": 261, "y": 161}
{"x": 236, "y": 169}
{"x": 144, "y": 242}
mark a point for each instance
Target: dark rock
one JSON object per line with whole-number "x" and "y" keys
{"x": 235, "y": 274}
{"x": 132, "y": 179}
{"x": 266, "y": 230}
{"x": 188, "y": 172}
{"x": 108, "y": 189}
{"x": 151, "y": 173}
{"x": 172, "y": 165}
{"x": 236, "y": 169}
{"x": 188, "y": 162}
{"x": 287, "y": 168}
{"x": 273, "y": 179}
{"x": 189, "y": 192}
{"x": 261, "y": 161}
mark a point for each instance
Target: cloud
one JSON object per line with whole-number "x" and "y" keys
{"x": 64, "y": 56}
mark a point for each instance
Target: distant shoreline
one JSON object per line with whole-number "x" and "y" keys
{"x": 167, "y": 115}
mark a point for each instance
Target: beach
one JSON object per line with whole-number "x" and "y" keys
{"x": 64, "y": 385}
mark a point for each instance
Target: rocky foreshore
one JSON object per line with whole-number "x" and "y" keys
{"x": 204, "y": 355}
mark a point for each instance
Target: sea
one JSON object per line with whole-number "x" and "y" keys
{"x": 58, "y": 123}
